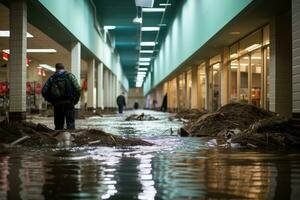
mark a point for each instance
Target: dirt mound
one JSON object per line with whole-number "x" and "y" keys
{"x": 141, "y": 117}
{"x": 190, "y": 114}
{"x": 30, "y": 134}
{"x": 231, "y": 116}
{"x": 270, "y": 132}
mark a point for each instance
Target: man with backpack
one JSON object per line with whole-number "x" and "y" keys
{"x": 63, "y": 92}
{"x": 121, "y": 102}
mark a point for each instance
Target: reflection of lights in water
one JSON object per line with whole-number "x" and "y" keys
{"x": 146, "y": 178}
{"x": 109, "y": 176}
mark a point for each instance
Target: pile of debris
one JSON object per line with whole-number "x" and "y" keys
{"x": 32, "y": 135}
{"x": 83, "y": 114}
{"x": 190, "y": 114}
{"x": 270, "y": 132}
{"x": 141, "y": 117}
{"x": 230, "y": 116}
{"x": 245, "y": 124}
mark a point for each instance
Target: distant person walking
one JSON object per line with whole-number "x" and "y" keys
{"x": 136, "y": 105}
{"x": 63, "y": 92}
{"x": 121, "y": 102}
{"x": 164, "y": 105}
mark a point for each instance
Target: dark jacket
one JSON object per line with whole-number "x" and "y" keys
{"x": 73, "y": 92}
{"x": 121, "y": 100}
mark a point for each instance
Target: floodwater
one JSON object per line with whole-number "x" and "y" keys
{"x": 174, "y": 168}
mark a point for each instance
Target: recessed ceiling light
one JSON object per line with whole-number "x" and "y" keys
{"x": 48, "y": 67}
{"x": 147, "y": 43}
{"x": 109, "y": 27}
{"x": 143, "y": 69}
{"x": 165, "y": 4}
{"x": 7, "y": 34}
{"x": 146, "y": 51}
{"x": 234, "y": 33}
{"x": 144, "y": 63}
{"x": 145, "y": 59}
{"x": 154, "y": 28}
{"x": 35, "y": 51}
{"x": 144, "y": 3}
{"x": 153, "y": 9}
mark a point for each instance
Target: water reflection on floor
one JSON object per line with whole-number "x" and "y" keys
{"x": 174, "y": 168}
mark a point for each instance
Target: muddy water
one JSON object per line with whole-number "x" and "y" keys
{"x": 174, "y": 168}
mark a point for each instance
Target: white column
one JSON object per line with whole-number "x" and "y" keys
{"x": 195, "y": 96}
{"x": 106, "y": 88}
{"x": 100, "y": 92}
{"x": 110, "y": 92}
{"x": 76, "y": 64}
{"x": 296, "y": 57}
{"x": 17, "y": 60}
{"x": 91, "y": 84}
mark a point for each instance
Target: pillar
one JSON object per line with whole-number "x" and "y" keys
{"x": 208, "y": 83}
{"x": 106, "y": 88}
{"x": 91, "y": 84}
{"x": 100, "y": 87}
{"x": 296, "y": 57}
{"x": 76, "y": 64}
{"x": 224, "y": 76}
{"x": 281, "y": 65}
{"x": 17, "y": 61}
{"x": 194, "y": 94}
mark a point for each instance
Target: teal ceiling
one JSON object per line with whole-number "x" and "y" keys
{"x": 120, "y": 13}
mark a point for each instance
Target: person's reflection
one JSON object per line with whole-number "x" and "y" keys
{"x": 128, "y": 184}
{"x": 62, "y": 179}
{"x": 283, "y": 180}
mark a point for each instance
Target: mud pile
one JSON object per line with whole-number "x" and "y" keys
{"x": 141, "y": 117}
{"x": 190, "y": 114}
{"x": 230, "y": 116}
{"x": 36, "y": 135}
{"x": 270, "y": 132}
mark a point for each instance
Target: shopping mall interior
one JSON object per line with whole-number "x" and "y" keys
{"x": 227, "y": 68}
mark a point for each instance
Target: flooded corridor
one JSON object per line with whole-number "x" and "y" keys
{"x": 173, "y": 168}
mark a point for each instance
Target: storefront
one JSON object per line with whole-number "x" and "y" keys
{"x": 249, "y": 69}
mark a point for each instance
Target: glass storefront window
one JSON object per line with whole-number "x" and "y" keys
{"x": 233, "y": 80}
{"x": 267, "y": 78}
{"x": 181, "y": 95}
{"x": 250, "y": 43}
{"x": 189, "y": 89}
{"x": 244, "y": 67}
{"x": 256, "y": 77}
{"x": 266, "y": 35}
{"x": 202, "y": 85}
{"x": 216, "y": 86}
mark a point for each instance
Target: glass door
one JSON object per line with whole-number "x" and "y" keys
{"x": 233, "y": 81}
{"x": 202, "y": 86}
{"x": 216, "y": 91}
{"x": 244, "y": 80}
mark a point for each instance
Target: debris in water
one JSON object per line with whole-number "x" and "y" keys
{"x": 141, "y": 117}
{"x": 30, "y": 134}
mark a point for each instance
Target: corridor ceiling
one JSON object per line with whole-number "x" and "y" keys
{"x": 127, "y": 34}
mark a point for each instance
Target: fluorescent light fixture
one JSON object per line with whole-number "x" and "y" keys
{"x": 35, "y": 51}
{"x": 48, "y": 67}
{"x": 150, "y": 28}
{"x": 165, "y": 4}
{"x": 144, "y": 3}
{"x": 109, "y": 27}
{"x": 253, "y": 47}
{"x": 146, "y": 51}
{"x": 216, "y": 66}
{"x": 143, "y": 69}
{"x": 153, "y": 9}
{"x": 144, "y": 63}
{"x": 148, "y": 44}
{"x": 145, "y": 59}
{"x": 7, "y": 34}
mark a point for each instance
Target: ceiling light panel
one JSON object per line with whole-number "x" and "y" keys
{"x": 145, "y": 59}
{"x": 7, "y": 34}
{"x": 153, "y": 9}
{"x": 147, "y": 44}
{"x": 153, "y": 28}
{"x": 146, "y": 51}
{"x": 165, "y": 4}
{"x": 144, "y": 63}
{"x": 144, "y": 3}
